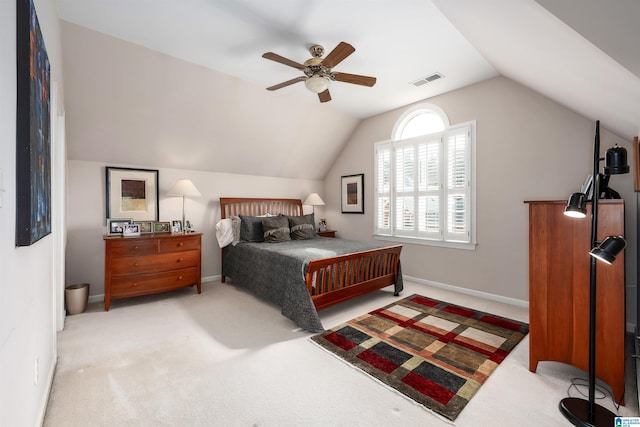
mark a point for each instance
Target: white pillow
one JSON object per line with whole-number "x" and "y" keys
{"x": 224, "y": 232}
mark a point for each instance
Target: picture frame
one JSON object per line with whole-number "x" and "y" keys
{"x": 33, "y": 128}
{"x": 352, "y": 193}
{"x": 132, "y": 193}
{"x": 323, "y": 225}
{"x": 176, "y": 227}
{"x": 131, "y": 230}
{"x": 115, "y": 226}
{"x": 146, "y": 227}
{"x": 636, "y": 163}
{"x": 161, "y": 227}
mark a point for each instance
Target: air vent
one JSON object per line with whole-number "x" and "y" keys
{"x": 428, "y": 79}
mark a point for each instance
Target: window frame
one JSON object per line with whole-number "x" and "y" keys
{"x": 415, "y": 236}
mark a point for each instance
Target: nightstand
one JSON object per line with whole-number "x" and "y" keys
{"x": 327, "y": 233}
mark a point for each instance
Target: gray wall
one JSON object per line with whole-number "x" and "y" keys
{"x": 528, "y": 148}
{"x": 27, "y": 285}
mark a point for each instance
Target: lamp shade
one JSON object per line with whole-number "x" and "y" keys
{"x": 616, "y": 161}
{"x": 576, "y": 207}
{"x": 609, "y": 249}
{"x": 184, "y": 187}
{"x": 317, "y": 84}
{"x": 314, "y": 200}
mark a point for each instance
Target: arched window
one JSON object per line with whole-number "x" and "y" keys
{"x": 425, "y": 189}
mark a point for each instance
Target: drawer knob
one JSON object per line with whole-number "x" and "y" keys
{"x": 179, "y": 277}
{"x": 135, "y": 284}
{"x": 180, "y": 259}
{"x": 136, "y": 247}
{"x": 181, "y": 244}
{"x": 135, "y": 264}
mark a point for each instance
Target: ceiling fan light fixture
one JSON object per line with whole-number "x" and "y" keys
{"x": 317, "y": 84}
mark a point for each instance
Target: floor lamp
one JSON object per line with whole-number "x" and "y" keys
{"x": 579, "y": 411}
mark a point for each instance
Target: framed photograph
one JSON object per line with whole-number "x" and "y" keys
{"x": 176, "y": 227}
{"x": 132, "y": 193}
{"x": 353, "y": 194}
{"x": 116, "y": 226}
{"x": 146, "y": 227}
{"x": 636, "y": 162}
{"x": 162, "y": 227}
{"x": 323, "y": 225}
{"x": 33, "y": 128}
{"x": 131, "y": 230}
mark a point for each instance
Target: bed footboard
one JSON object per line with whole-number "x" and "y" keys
{"x": 334, "y": 280}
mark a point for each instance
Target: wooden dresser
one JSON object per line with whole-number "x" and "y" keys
{"x": 150, "y": 264}
{"x": 559, "y": 290}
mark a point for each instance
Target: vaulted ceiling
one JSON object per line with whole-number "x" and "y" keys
{"x": 577, "y": 53}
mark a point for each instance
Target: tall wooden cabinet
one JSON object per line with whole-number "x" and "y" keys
{"x": 150, "y": 264}
{"x": 559, "y": 290}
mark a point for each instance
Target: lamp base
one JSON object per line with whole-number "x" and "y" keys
{"x": 576, "y": 410}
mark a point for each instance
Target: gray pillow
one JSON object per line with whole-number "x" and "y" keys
{"x": 276, "y": 229}
{"x": 251, "y": 229}
{"x": 235, "y": 228}
{"x": 302, "y": 227}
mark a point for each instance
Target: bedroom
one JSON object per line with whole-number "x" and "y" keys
{"x": 547, "y": 133}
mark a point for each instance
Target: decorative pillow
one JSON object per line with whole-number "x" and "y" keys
{"x": 276, "y": 229}
{"x": 251, "y": 229}
{"x": 224, "y": 232}
{"x": 302, "y": 227}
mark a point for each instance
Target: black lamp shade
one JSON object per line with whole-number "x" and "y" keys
{"x": 576, "y": 207}
{"x": 608, "y": 249}
{"x": 616, "y": 161}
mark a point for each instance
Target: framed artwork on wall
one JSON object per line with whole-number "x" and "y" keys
{"x": 33, "y": 129}
{"x": 132, "y": 193}
{"x": 353, "y": 193}
{"x": 636, "y": 162}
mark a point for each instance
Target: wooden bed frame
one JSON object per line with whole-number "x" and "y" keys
{"x": 329, "y": 280}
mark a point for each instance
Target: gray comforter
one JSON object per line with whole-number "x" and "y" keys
{"x": 275, "y": 272}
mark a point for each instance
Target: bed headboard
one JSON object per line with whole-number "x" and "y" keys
{"x": 230, "y": 206}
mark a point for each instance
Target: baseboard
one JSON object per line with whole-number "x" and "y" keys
{"x": 465, "y": 291}
{"x": 100, "y": 297}
{"x": 45, "y": 397}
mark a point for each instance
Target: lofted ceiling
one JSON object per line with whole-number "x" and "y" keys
{"x": 549, "y": 46}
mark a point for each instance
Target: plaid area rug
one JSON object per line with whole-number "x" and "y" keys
{"x": 436, "y": 353}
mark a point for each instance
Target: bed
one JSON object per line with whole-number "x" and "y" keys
{"x": 304, "y": 276}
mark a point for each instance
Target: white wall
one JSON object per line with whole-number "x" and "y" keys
{"x": 86, "y": 212}
{"x": 528, "y": 148}
{"x": 27, "y": 318}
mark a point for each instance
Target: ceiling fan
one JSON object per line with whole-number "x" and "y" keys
{"x": 317, "y": 70}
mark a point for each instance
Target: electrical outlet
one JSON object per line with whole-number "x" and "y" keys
{"x": 35, "y": 373}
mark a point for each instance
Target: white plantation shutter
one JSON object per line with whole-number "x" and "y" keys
{"x": 424, "y": 187}
{"x": 382, "y": 204}
{"x": 458, "y": 185}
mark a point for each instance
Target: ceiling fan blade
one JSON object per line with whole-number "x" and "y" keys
{"x": 281, "y": 59}
{"x": 355, "y": 79}
{"x": 338, "y": 54}
{"x": 324, "y": 96}
{"x": 287, "y": 83}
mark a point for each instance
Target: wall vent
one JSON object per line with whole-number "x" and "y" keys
{"x": 428, "y": 79}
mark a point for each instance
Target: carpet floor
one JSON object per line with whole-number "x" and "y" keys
{"x": 225, "y": 358}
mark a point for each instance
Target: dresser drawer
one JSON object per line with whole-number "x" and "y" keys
{"x": 125, "y": 247}
{"x": 154, "y": 263}
{"x": 178, "y": 244}
{"x": 129, "y": 286}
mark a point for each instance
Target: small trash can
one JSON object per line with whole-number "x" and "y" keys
{"x": 76, "y": 297}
